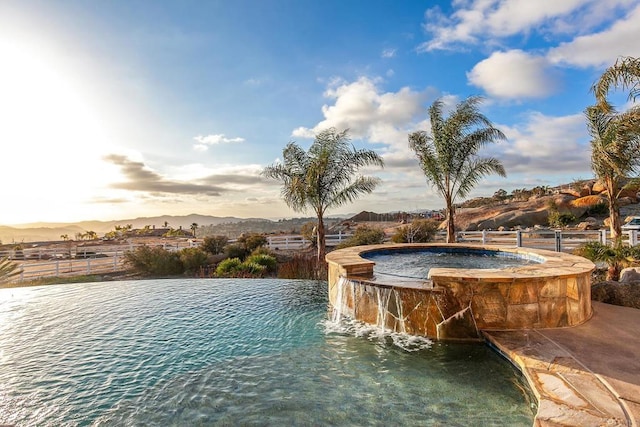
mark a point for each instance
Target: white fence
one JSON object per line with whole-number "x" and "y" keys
{"x": 31, "y": 270}
{"x": 89, "y": 259}
{"x": 554, "y": 240}
{"x": 299, "y": 242}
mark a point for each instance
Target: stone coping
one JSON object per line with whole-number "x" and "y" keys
{"x": 556, "y": 264}
{"x": 585, "y": 375}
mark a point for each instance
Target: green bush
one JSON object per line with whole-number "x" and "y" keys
{"x": 228, "y": 267}
{"x": 419, "y": 231}
{"x": 617, "y": 256}
{"x": 364, "y": 235}
{"x": 156, "y": 261}
{"x": 215, "y": 244}
{"x": 192, "y": 259}
{"x": 263, "y": 250}
{"x": 235, "y": 250}
{"x": 252, "y": 241}
{"x": 267, "y": 261}
{"x": 557, "y": 219}
{"x": 254, "y": 266}
{"x": 252, "y": 269}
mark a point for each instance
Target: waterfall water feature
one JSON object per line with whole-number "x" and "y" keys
{"x": 336, "y": 315}
{"x": 385, "y": 297}
{"x": 388, "y": 308}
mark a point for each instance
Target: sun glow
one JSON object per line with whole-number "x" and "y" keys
{"x": 52, "y": 136}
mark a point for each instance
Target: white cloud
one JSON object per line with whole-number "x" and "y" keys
{"x": 363, "y": 108}
{"x": 374, "y": 115}
{"x": 514, "y": 74}
{"x": 545, "y": 145}
{"x": 515, "y": 16}
{"x": 388, "y": 53}
{"x": 203, "y": 142}
{"x": 475, "y": 21}
{"x": 603, "y": 48}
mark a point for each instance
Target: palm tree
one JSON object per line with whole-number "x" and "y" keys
{"x": 448, "y": 155}
{"x": 625, "y": 74}
{"x": 323, "y": 177}
{"x": 615, "y": 153}
{"x": 194, "y": 227}
{"x": 616, "y": 257}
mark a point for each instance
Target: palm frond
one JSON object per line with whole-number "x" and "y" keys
{"x": 624, "y": 74}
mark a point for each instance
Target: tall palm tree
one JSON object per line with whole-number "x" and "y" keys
{"x": 448, "y": 155}
{"x": 615, "y": 153}
{"x": 323, "y": 177}
{"x": 614, "y": 144}
{"x": 194, "y": 227}
{"x": 625, "y": 74}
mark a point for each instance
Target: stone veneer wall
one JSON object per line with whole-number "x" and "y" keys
{"x": 459, "y": 303}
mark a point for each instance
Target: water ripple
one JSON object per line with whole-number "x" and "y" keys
{"x": 228, "y": 352}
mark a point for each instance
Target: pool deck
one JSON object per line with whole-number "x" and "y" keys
{"x": 586, "y": 375}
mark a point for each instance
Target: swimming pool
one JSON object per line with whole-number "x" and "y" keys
{"x": 229, "y": 352}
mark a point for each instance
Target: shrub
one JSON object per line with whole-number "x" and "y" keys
{"x": 557, "y": 219}
{"x": 252, "y": 269}
{"x": 303, "y": 267}
{"x": 154, "y": 261}
{"x": 254, "y": 266}
{"x": 617, "y": 256}
{"x": 228, "y": 267}
{"x": 308, "y": 232}
{"x": 252, "y": 241}
{"x": 215, "y": 244}
{"x": 267, "y": 261}
{"x": 419, "y": 231}
{"x": 235, "y": 250}
{"x": 263, "y": 250}
{"x": 598, "y": 209}
{"x": 364, "y": 235}
{"x": 192, "y": 259}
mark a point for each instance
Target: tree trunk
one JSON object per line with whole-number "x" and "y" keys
{"x": 321, "y": 240}
{"x": 451, "y": 226}
{"x": 615, "y": 223}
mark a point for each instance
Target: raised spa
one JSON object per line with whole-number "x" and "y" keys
{"x": 478, "y": 288}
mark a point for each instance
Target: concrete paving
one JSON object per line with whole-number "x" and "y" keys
{"x": 586, "y": 375}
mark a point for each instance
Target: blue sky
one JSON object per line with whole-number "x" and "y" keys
{"x": 120, "y": 109}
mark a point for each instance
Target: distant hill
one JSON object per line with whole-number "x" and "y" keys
{"x": 45, "y": 231}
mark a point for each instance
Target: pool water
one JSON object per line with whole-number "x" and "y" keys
{"x": 231, "y": 352}
{"x": 416, "y": 263}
